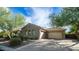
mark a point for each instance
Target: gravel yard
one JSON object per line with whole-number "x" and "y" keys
{"x": 50, "y": 45}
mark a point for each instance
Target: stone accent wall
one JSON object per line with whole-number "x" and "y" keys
{"x": 30, "y": 31}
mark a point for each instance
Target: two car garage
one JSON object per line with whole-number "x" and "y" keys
{"x": 53, "y": 33}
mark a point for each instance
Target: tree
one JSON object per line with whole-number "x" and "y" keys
{"x": 68, "y": 17}
{"x": 9, "y": 21}
{"x": 3, "y": 18}
{"x": 19, "y": 20}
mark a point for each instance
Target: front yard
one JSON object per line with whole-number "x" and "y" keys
{"x": 47, "y": 45}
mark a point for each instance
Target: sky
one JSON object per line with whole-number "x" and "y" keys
{"x": 37, "y": 15}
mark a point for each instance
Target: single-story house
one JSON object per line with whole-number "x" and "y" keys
{"x": 36, "y": 32}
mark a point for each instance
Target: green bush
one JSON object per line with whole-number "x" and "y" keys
{"x": 15, "y": 41}
{"x": 5, "y": 34}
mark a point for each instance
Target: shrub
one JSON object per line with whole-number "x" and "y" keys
{"x": 1, "y": 36}
{"x": 71, "y": 36}
{"x": 4, "y": 35}
{"x": 15, "y": 41}
{"x": 7, "y": 38}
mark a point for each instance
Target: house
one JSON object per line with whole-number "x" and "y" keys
{"x": 36, "y": 32}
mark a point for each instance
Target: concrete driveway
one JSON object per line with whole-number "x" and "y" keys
{"x": 51, "y": 45}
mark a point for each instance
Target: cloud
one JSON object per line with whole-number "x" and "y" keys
{"x": 28, "y": 19}
{"x": 40, "y": 17}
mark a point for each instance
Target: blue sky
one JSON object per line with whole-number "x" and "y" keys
{"x": 37, "y": 15}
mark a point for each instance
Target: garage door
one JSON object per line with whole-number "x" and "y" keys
{"x": 56, "y": 35}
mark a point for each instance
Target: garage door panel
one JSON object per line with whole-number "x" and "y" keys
{"x": 56, "y": 35}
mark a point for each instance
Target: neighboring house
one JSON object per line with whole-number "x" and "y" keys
{"x": 30, "y": 31}
{"x": 36, "y": 32}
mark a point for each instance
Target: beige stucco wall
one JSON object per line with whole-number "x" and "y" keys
{"x": 56, "y": 35}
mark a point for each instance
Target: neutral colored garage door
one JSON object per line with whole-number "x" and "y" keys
{"x": 56, "y": 35}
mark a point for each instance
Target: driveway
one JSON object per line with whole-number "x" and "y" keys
{"x": 51, "y": 45}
